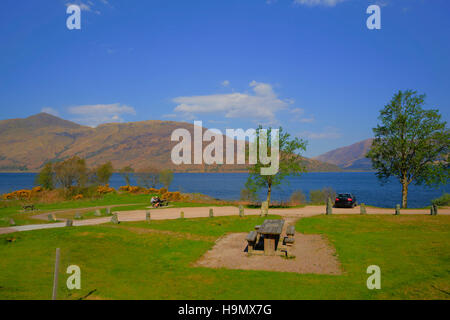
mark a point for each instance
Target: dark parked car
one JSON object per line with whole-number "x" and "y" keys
{"x": 345, "y": 200}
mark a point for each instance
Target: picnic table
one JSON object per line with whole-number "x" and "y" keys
{"x": 271, "y": 230}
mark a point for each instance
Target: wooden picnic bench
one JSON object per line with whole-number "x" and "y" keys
{"x": 271, "y": 230}
{"x": 29, "y": 207}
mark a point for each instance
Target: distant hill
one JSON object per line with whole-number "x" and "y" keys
{"x": 351, "y": 157}
{"x": 27, "y": 144}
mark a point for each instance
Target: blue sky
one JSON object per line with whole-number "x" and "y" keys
{"x": 311, "y": 66}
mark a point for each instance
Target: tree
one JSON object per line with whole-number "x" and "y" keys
{"x": 290, "y": 162}
{"x": 127, "y": 173}
{"x": 148, "y": 177}
{"x": 104, "y": 172}
{"x": 411, "y": 144}
{"x": 166, "y": 177}
{"x": 71, "y": 172}
{"x": 45, "y": 178}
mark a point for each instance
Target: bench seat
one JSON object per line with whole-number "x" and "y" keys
{"x": 290, "y": 231}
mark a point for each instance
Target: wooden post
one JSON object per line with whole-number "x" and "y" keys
{"x": 182, "y": 215}
{"x": 69, "y": 223}
{"x": 211, "y": 213}
{"x": 55, "y": 278}
{"x": 397, "y": 209}
{"x": 148, "y": 216}
{"x": 241, "y": 211}
{"x": 435, "y": 210}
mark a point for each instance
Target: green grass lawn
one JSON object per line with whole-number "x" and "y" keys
{"x": 135, "y": 201}
{"x": 155, "y": 261}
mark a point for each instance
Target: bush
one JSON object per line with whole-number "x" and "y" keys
{"x": 249, "y": 195}
{"x": 298, "y": 197}
{"x": 321, "y": 196}
{"x": 105, "y": 189}
{"x": 442, "y": 201}
{"x": 171, "y": 196}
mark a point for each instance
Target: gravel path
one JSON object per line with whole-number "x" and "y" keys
{"x": 203, "y": 212}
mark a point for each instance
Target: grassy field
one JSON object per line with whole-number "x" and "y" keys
{"x": 14, "y": 209}
{"x": 155, "y": 261}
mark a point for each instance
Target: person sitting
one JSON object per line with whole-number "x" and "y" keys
{"x": 155, "y": 201}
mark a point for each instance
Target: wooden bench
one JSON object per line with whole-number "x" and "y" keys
{"x": 290, "y": 232}
{"x": 29, "y": 207}
{"x": 251, "y": 239}
{"x": 289, "y": 242}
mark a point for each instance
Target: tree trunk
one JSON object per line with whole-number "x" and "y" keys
{"x": 404, "y": 194}
{"x": 269, "y": 190}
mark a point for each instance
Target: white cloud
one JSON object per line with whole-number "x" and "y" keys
{"x": 93, "y": 115}
{"x": 298, "y": 116}
{"x": 225, "y": 83}
{"x": 50, "y": 111}
{"x": 328, "y": 133}
{"x": 311, "y": 3}
{"x": 87, "y": 5}
{"x": 262, "y": 104}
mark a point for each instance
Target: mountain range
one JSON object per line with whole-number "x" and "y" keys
{"x": 27, "y": 144}
{"x": 352, "y": 157}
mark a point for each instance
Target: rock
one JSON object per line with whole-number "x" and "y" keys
{"x": 98, "y": 213}
{"x": 12, "y": 223}
{"x": 51, "y": 217}
{"x": 182, "y": 215}
{"x": 264, "y": 209}
{"x": 329, "y": 206}
{"x": 69, "y": 223}
{"x": 397, "y": 209}
{"x": 211, "y": 213}
{"x": 362, "y": 209}
{"x": 241, "y": 211}
{"x": 115, "y": 219}
{"x": 78, "y": 216}
{"x": 108, "y": 211}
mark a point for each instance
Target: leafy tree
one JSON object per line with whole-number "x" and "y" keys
{"x": 166, "y": 177}
{"x": 127, "y": 173}
{"x": 411, "y": 144}
{"x": 46, "y": 178}
{"x": 148, "y": 177}
{"x": 290, "y": 162}
{"x": 71, "y": 172}
{"x": 104, "y": 172}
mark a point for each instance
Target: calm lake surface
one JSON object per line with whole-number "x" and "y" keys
{"x": 228, "y": 186}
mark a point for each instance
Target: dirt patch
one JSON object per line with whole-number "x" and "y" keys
{"x": 313, "y": 254}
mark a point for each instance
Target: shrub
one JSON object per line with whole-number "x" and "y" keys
{"x": 162, "y": 191}
{"x": 442, "y": 201}
{"x": 249, "y": 195}
{"x": 298, "y": 197}
{"x": 78, "y": 197}
{"x": 321, "y": 196}
{"x": 171, "y": 196}
{"x": 105, "y": 189}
